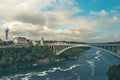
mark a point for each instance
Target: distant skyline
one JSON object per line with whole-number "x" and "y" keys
{"x": 70, "y": 20}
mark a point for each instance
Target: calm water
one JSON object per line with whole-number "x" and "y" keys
{"x": 92, "y": 65}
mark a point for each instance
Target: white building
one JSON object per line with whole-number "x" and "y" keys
{"x": 20, "y": 41}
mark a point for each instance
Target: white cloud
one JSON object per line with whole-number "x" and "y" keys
{"x": 117, "y": 7}
{"x": 113, "y": 11}
{"x": 28, "y": 18}
{"x": 101, "y": 13}
{"x": 116, "y": 19}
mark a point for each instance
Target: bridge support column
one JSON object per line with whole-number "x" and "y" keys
{"x": 117, "y": 48}
{"x": 109, "y": 48}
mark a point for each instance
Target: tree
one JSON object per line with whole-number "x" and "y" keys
{"x": 114, "y": 72}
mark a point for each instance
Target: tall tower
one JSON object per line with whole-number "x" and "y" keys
{"x": 6, "y": 33}
{"x": 42, "y": 41}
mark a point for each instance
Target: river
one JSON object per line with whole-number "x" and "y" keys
{"x": 92, "y": 65}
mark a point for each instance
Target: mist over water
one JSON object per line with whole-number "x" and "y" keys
{"x": 92, "y": 65}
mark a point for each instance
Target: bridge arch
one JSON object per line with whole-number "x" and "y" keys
{"x": 63, "y": 50}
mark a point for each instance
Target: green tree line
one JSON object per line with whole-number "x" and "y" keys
{"x": 72, "y": 53}
{"x": 114, "y": 72}
{"x": 20, "y": 57}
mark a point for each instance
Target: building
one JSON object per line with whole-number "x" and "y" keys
{"x": 42, "y": 41}
{"x": 34, "y": 43}
{"x": 0, "y": 41}
{"x": 20, "y": 41}
{"x": 6, "y": 34}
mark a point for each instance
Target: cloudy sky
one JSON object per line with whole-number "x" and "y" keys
{"x": 73, "y": 20}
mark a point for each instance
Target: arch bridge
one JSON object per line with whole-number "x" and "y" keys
{"x": 111, "y": 48}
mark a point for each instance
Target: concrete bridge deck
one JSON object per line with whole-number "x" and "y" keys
{"x": 111, "y": 48}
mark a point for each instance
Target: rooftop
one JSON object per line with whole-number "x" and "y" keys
{"x": 20, "y": 38}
